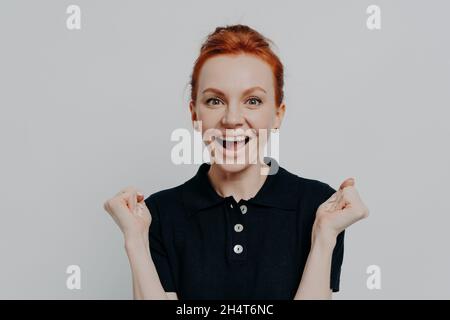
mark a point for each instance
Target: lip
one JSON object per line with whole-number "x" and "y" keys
{"x": 232, "y": 143}
{"x": 232, "y": 149}
{"x": 236, "y": 134}
{"x": 233, "y": 138}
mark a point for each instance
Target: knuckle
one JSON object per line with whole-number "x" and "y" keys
{"x": 112, "y": 203}
{"x": 348, "y": 189}
{"x": 106, "y": 205}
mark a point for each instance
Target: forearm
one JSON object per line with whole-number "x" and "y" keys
{"x": 136, "y": 294}
{"x": 146, "y": 282}
{"x": 315, "y": 282}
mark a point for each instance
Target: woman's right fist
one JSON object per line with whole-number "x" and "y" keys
{"x": 130, "y": 213}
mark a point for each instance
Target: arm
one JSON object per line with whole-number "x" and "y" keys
{"x": 315, "y": 283}
{"x": 129, "y": 211}
{"x": 341, "y": 210}
{"x": 146, "y": 282}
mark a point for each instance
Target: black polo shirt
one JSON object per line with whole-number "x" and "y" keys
{"x": 206, "y": 246}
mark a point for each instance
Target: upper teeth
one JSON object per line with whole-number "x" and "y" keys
{"x": 232, "y": 139}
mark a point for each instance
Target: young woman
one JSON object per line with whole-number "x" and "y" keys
{"x": 231, "y": 232}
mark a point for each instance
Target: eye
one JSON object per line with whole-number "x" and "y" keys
{"x": 214, "y": 101}
{"x": 254, "y": 101}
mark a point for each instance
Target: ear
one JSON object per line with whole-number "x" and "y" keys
{"x": 279, "y": 115}
{"x": 194, "y": 116}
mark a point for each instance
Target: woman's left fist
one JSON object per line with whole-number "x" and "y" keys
{"x": 341, "y": 210}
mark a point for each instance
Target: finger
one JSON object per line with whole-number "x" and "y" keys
{"x": 138, "y": 209}
{"x": 348, "y": 196}
{"x": 347, "y": 183}
{"x": 132, "y": 201}
{"x": 141, "y": 209}
{"x": 352, "y": 206}
{"x": 329, "y": 204}
{"x": 354, "y": 200}
{"x": 337, "y": 200}
{"x": 351, "y": 214}
{"x": 136, "y": 198}
{"x": 128, "y": 197}
{"x": 106, "y": 206}
{"x": 116, "y": 206}
{"x": 341, "y": 202}
{"x": 352, "y": 195}
{"x": 140, "y": 196}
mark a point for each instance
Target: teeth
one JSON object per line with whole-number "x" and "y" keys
{"x": 233, "y": 139}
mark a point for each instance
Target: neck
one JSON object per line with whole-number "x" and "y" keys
{"x": 243, "y": 184}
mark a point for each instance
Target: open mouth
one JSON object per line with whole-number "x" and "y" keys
{"x": 233, "y": 143}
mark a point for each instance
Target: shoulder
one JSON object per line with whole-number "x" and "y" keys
{"x": 308, "y": 189}
{"x": 164, "y": 196}
{"x": 171, "y": 201}
{"x": 309, "y": 194}
{"x": 165, "y": 200}
{"x": 317, "y": 188}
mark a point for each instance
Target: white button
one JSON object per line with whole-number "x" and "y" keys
{"x": 231, "y": 206}
{"x": 238, "y": 248}
{"x": 244, "y": 209}
{"x": 238, "y": 227}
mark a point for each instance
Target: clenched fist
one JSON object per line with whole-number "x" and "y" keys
{"x": 130, "y": 213}
{"x": 341, "y": 210}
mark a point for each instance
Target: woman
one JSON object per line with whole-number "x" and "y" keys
{"x": 231, "y": 232}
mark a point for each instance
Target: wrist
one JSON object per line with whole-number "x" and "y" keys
{"x": 133, "y": 243}
{"x": 323, "y": 237}
{"x": 324, "y": 242}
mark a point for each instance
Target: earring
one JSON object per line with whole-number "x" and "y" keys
{"x": 196, "y": 125}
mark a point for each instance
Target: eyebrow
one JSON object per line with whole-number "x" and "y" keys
{"x": 217, "y": 91}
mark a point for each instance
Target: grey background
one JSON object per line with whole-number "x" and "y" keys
{"x": 86, "y": 113}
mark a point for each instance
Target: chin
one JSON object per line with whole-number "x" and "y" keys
{"x": 233, "y": 167}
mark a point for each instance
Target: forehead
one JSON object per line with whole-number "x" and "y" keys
{"x": 235, "y": 73}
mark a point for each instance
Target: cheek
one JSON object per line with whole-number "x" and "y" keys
{"x": 209, "y": 118}
{"x": 210, "y": 122}
{"x": 261, "y": 119}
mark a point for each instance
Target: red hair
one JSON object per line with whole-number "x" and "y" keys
{"x": 238, "y": 39}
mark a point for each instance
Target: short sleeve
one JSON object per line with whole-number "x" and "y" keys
{"x": 338, "y": 251}
{"x": 158, "y": 250}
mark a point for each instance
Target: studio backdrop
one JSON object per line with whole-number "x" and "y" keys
{"x": 92, "y": 91}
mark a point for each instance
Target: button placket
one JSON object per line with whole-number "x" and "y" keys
{"x": 238, "y": 245}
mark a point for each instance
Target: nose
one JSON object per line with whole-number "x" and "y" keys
{"x": 233, "y": 117}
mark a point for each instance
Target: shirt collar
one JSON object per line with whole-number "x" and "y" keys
{"x": 280, "y": 190}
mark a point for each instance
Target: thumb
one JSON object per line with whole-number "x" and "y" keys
{"x": 347, "y": 183}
